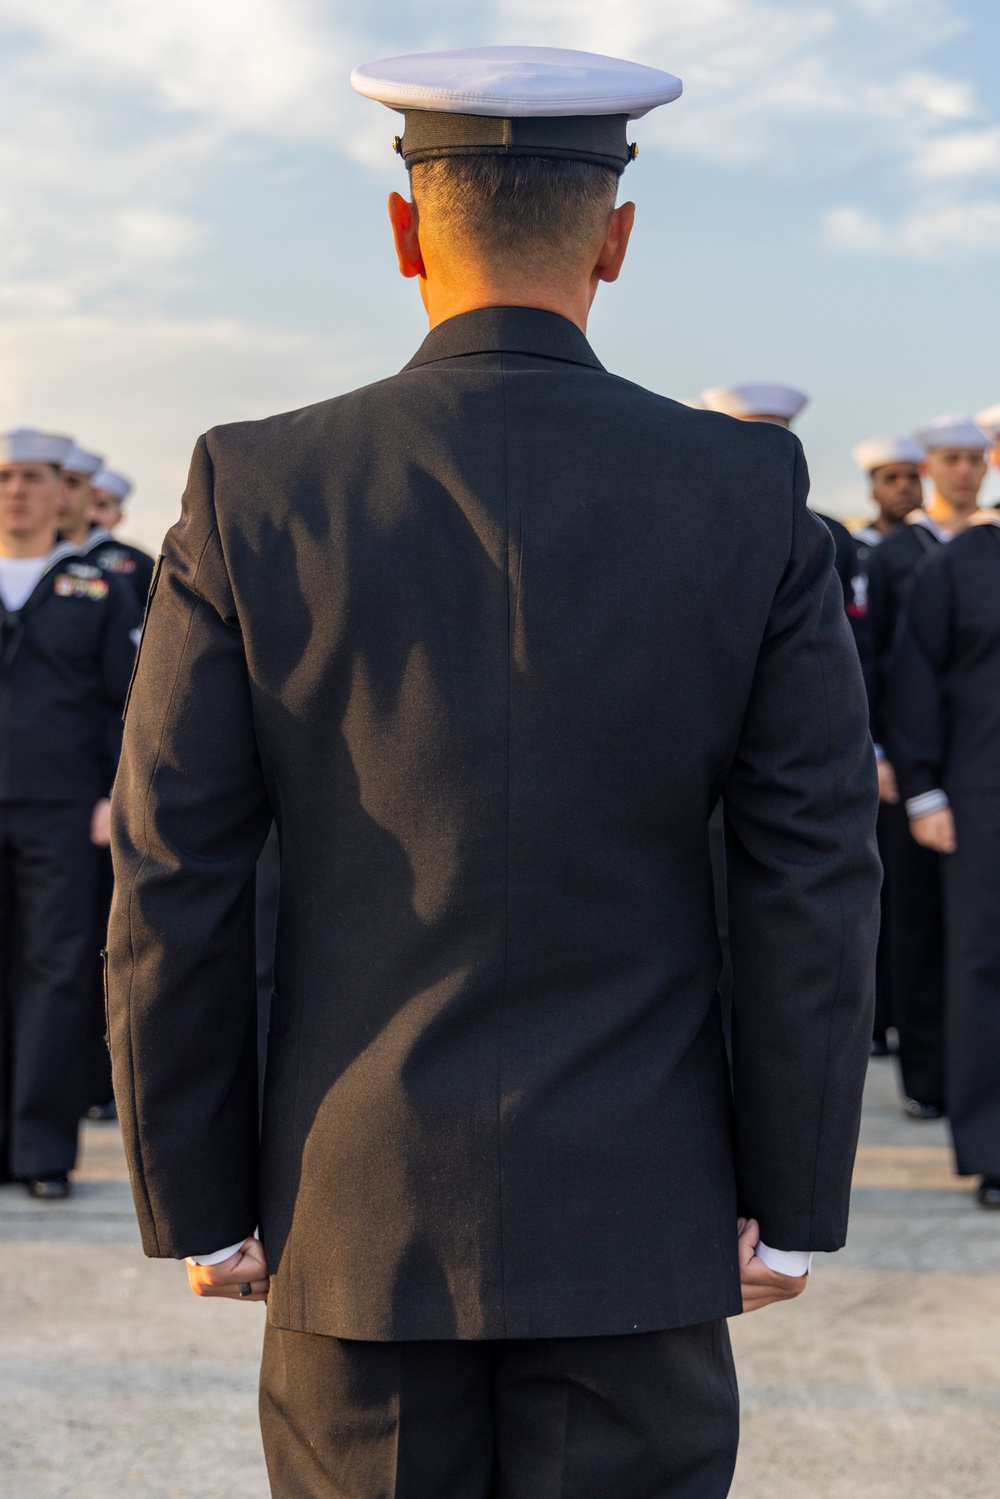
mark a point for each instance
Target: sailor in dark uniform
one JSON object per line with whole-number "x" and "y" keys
{"x": 943, "y": 727}
{"x": 892, "y": 465}
{"x": 66, "y": 650}
{"x": 91, "y": 490}
{"x": 92, "y": 505}
{"x": 75, "y": 502}
{"x": 109, "y": 492}
{"x": 989, "y": 422}
{"x": 778, "y": 405}
{"x": 955, "y": 466}
{"x": 504, "y": 1169}
{"x": 758, "y": 401}
{"x": 82, "y": 495}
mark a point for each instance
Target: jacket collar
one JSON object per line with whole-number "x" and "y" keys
{"x": 95, "y": 538}
{"x": 921, "y": 518}
{"x": 512, "y": 330}
{"x": 62, "y": 551}
{"x": 59, "y": 553}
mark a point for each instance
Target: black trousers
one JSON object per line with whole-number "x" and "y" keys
{"x": 652, "y": 1416}
{"x": 915, "y": 902}
{"x": 48, "y": 896}
{"x": 972, "y": 883}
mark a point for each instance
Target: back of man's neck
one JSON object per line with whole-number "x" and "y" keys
{"x": 442, "y": 303}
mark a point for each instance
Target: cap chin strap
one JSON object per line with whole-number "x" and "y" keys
{"x": 431, "y": 135}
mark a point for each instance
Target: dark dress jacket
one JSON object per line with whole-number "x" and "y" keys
{"x": 889, "y": 570}
{"x": 490, "y": 638}
{"x": 943, "y": 709}
{"x": 65, "y": 660}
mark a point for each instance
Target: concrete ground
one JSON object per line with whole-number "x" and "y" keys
{"x": 882, "y": 1382}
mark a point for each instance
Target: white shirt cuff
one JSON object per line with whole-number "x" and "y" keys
{"x": 926, "y": 803}
{"x": 879, "y": 752}
{"x": 216, "y": 1258}
{"x": 785, "y": 1261}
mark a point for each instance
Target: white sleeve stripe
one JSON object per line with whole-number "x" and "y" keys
{"x": 927, "y": 802}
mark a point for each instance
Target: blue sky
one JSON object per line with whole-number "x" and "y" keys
{"x": 193, "y": 221}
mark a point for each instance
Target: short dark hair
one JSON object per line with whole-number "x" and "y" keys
{"x": 528, "y": 208}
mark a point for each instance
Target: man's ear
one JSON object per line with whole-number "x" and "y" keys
{"x": 612, "y": 253}
{"x": 405, "y": 224}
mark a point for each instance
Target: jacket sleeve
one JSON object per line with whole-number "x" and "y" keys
{"x": 117, "y": 658}
{"x": 873, "y": 645}
{"x": 860, "y": 616}
{"x": 804, "y": 876}
{"x": 190, "y": 816}
{"x": 845, "y": 556}
{"x": 915, "y": 701}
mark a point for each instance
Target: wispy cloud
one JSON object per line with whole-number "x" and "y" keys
{"x": 965, "y": 153}
{"x": 942, "y": 231}
{"x": 275, "y": 66}
{"x": 121, "y": 106}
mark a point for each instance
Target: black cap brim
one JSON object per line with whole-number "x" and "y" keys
{"x": 431, "y": 135}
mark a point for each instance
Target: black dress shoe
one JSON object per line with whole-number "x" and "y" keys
{"x": 48, "y": 1188}
{"x": 988, "y": 1192}
{"x": 103, "y": 1111}
{"x": 914, "y": 1109}
{"x": 880, "y": 1047}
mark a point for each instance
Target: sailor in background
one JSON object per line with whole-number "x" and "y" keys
{"x": 96, "y": 521}
{"x": 989, "y": 421}
{"x": 943, "y": 727}
{"x": 781, "y": 404}
{"x": 109, "y": 491}
{"x": 778, "y": 405}
{"x": 66, "y": 652}
{"x": 893, "y": 468}
{"x": 77, "y": 496}
{"x": 955, "y": 465}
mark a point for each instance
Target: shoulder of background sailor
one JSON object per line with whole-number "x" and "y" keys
{"x": 29, "y": 502}
{"x": 896, "y": 490}
{"x": 957, "y": 475}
